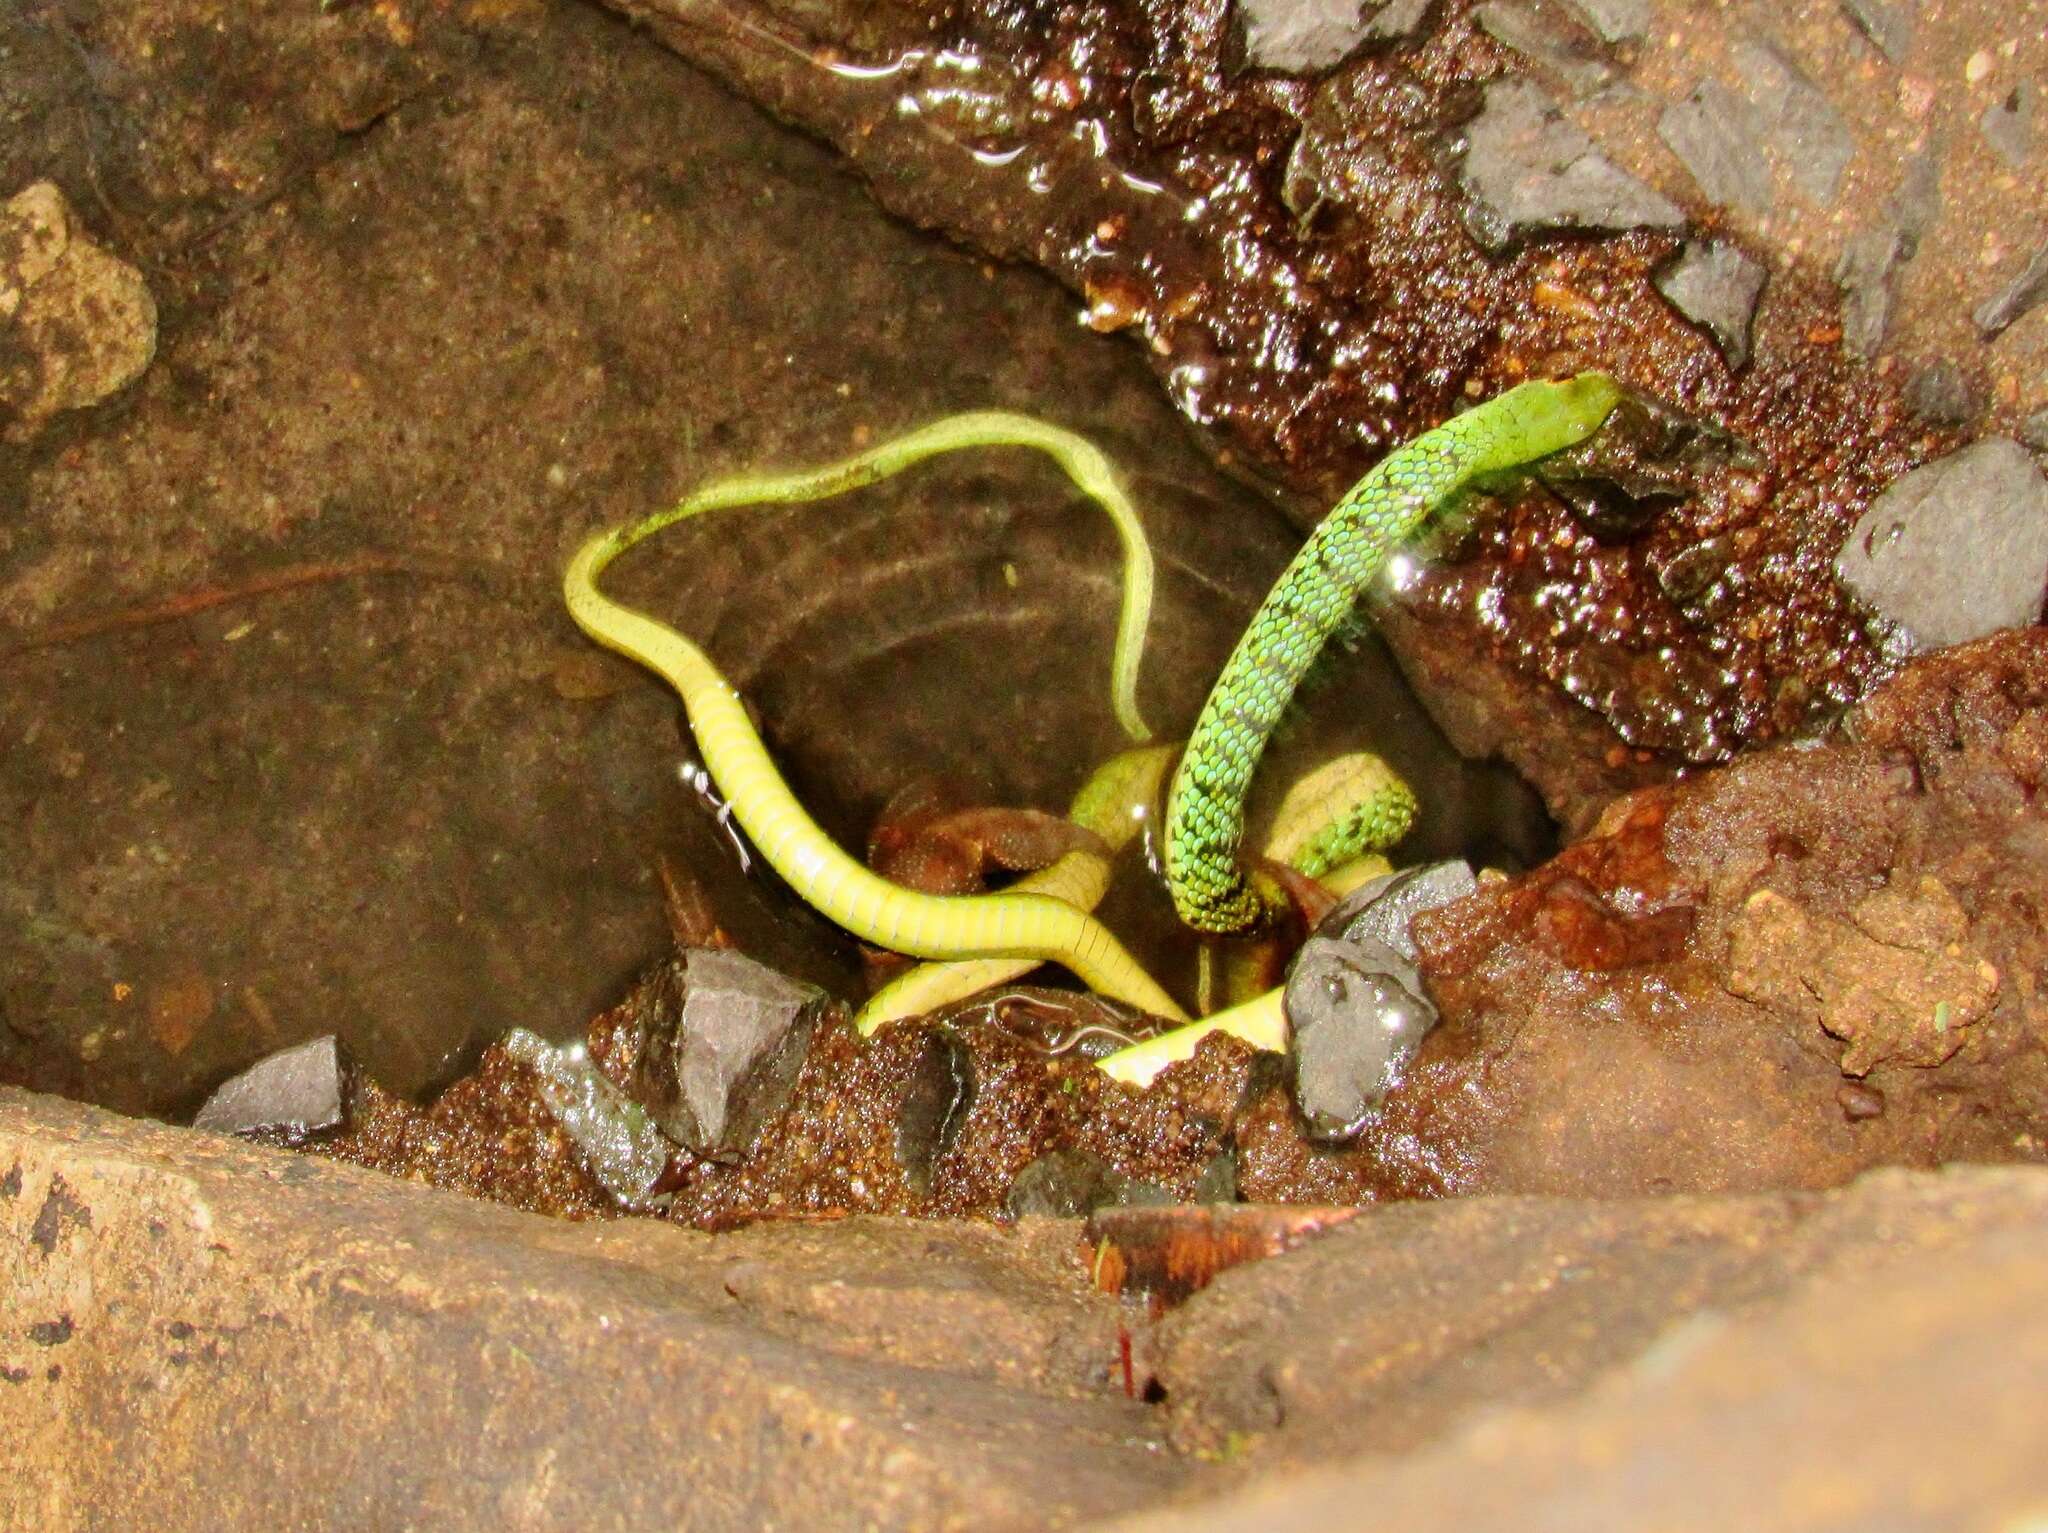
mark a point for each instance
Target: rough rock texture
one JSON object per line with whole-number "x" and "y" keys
{"x": 1810, "y": 962}
{"x": 380, "y": 1354}
{"x": 1717, "y": 286}
{"x": 1868, "y": 1359}
{"x": 76, "y": 323}
{"x": 212, "y": 1335}
{"x": 294, "y": 1092}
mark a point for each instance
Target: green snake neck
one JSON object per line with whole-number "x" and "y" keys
{"x": 1311, "y": 600}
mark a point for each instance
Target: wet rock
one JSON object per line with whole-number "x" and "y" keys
{"x": 1551, "y": 47}
{"x": 76, "y": 323}
{"x": 1808, "y": 136}
{"x": 1617, "y": 21}
{"x": 1712, "y": 134}
{"x": 1527, "y": 170}
{"x": 295, "y": 1093}
{"x": 619, "y": 1143}
{"x": 721, "y": 1038}
{"x": 1940, "y": 395}
{"x": 2019, "y": 296}
{"x": 1715, "y": 285}
{"x": 1356, "y": 1014}
{"x": 2008, "y": 123}
{"x": 1887, "y": 23}
{"x": 1300, "y": 36}
{"x": 939, "y": 1098}
{"x": 1380, "y": 909}
{"x": 1066, "y": 1183}
{"x": 1593, "y": 1038}
{"x": 1904, "y": 557}
{"x": 1218, "y": 1181}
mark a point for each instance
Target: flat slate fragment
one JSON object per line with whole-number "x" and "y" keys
{"x": 1887, "y": 23}
{"x": 2008, "y": 123}
{"x": 1901, "y": 557}
{"x": 1617, "y": 21}
{"x": 1712, "y": 134}
{"x": 1940, "y": 395}
{"x": 1863, "y": 272}
{"x": 2017, "y": 298}
{"x": 1716, "y": 286}
{"x": 1526, "y": 169}
{"x": 1809, "y": 137}
{"x": 1545, "y": 44}
{"x": 1299, "y": 36}
{"x": 297, "y": 1091}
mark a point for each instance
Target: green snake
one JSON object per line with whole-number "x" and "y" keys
{"x": 1205, "y": 807}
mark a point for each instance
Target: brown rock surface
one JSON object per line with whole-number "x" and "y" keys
{"x": 1868, "y": 1359}
{"x": 204, "y": 1334}
{"x": 1812, "y": 961}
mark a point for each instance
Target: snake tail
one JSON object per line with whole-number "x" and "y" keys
{"x": 839, "y": 887}
{"x": 1320, "y": 588}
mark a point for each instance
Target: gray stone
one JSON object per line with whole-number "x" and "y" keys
{"x": 1059, "y": 1184}
{"x": 721, "y": 1040}
{"x": 621, "y": 1147}
{"x": 1940, "y": 395}
{"x": 1902, "y": 557}
{"x": 1300, "y": 36}
{"x": 1218, "y": 1181}
{"x": 1617, "y": 21}
{"x": 1917, "y": 202}
{"x": 2034, "y": 431}
{"x": 1066, "y": 1183}
{"x": 941, "y": 1094}
{"x": 2019, "y": 296}
{"x": 2008, "y": 123}
{"x": 1380, "y": 909}
{"x": 296, "y": 1092}
{"x": 1887, "y": 23}
{"x": 1809, "y": 137}
{"x": 1713, "y": 133}
{"x": 1356, "y": 1013}
{"x": 1716, "y": 286}
{"x": 1527, "y": 170}
{"x": 1399, "y": 19}
{"x": 1863, "y": 272}
{"x": 1546, "y": 44}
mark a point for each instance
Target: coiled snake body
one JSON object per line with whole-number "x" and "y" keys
{"x": 1205, "y": 807}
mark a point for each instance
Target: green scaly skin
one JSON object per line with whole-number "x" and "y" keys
{"x": 1383, "y": 511}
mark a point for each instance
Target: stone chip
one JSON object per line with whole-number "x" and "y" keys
{"x": 299, "y": 1091}
{"x": 1527, "y": 170}
{"x": 1716, "y": 286}
{"x": 76, "y": 323}
{"x": 1901, "y": 560}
